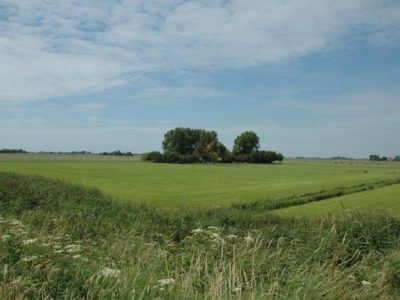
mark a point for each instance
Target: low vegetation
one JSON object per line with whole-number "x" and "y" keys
{"x": 60, "y": 240}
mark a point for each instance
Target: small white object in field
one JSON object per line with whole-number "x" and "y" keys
{"x": 73, "y": 248}
{"x": 108, "y": 272}
{"x": 5, "y": 237}
{"x": 197, "y": 231}
{"x": 364, "y": 282}
{"x": 212, "y": 227}
{"x": 166, "y": 281}
{"x": 29, "y": 242}
{"x": 29, "y": 258}
{"x": 248, "y": 239}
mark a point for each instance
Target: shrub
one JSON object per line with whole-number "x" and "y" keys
{"x": 188, "y": 159}
{"x": 153, "y": 156}
{"x": 171, "y": 157}
{"x": 259, "y": 157}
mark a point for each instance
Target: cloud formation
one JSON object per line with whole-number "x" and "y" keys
{"x": 54, "y": 49}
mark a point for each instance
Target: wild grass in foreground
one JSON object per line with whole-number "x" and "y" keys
{"x": 59, "y": 240}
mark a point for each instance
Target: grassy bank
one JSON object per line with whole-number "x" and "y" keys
{"x": 63, "y": 240}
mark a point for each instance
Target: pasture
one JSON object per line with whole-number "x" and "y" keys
{"x": 97, "y": 227}
{"x": 383, "y": 199}
{"x": 199, "y": 185}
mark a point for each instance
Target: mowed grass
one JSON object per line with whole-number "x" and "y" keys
{"x": 383, "y": 199}
{"x": 199, "y": 185}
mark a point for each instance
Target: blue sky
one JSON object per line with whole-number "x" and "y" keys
{"x": 311, "y": 77}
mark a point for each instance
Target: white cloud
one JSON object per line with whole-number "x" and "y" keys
{"x": 168, "y": 94}
{"x": 54, "y": 49}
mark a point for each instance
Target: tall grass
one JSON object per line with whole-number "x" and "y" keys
{"x": 59, "y": 240}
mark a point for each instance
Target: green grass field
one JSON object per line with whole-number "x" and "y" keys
{"x": 171, "y": 185}
{"x": 66, "y": 241}
{"x": 384, "y": 199}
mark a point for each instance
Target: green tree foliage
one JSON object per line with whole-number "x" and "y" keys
{"x": 12, "y": 151}
{"x": 246, "y": 143}
{"x": 153, "y": 156}
{"x": 374, "y": 157}
{"x": 188, "y": 145}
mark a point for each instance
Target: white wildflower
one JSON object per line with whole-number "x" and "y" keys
{"x": 73, "y": 248}
{"x": 212, "y": 227}
{"x": 15, "y": 222}
{"x": 46, "y": 244}
{"x": 214, "y": 236}
{"x": 248, "y": 239}
{"x": 167, "y": 281}
{"x": 19, "y": 231}
{"x": 108, "y": 272}
{"x": 76, "y": 256}
{"x": 29, "y": 242}
{"x": 237, "y": 290}
{"x": 58, "y": 251}
{"x": 364, "y": 282}
{"x": 29, "y": 258}
{"x": 5, "y": 237}
{"x": 197, "y": 231}
{"x": 231, "y": 236}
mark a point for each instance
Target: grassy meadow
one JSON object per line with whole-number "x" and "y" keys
{"x": 104, "y": 228}
{"x": 386, "y": 198}
{"x": 199, "y": 185}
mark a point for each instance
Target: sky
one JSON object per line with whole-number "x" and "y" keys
{"x": 310, "y": 77}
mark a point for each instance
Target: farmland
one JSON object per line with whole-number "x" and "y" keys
{"x": 92, "y": 227}
{"x": 386, "y": 198}
{"x": 199, "y": 185}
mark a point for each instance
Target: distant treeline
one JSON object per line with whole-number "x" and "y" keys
{"x": 13, "y": 151}
{"x": 327, "y": 158}
{"x": 188, "y": 145}
{"x": 375, "y": 157}
{"x": 62, "y": 152}
{"x": 118, "y": 153}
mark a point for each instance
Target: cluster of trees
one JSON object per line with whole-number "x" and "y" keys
{"x": 375, "y": 157}
{"x": 66, "y": 152}
{"x": 118, "y": 153}
{"x": 188, "y": 145}
{"x": 12, "y": 151}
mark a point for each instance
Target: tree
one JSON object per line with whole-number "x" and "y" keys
{"x": 374, "y": 157}
{"x": 246, "y": 143}
{"x": 188, "y": 141}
